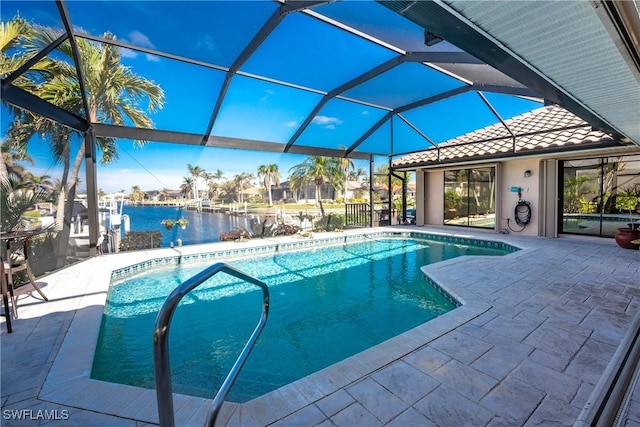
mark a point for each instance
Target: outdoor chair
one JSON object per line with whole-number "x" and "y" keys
{"x": 15, "y": 262}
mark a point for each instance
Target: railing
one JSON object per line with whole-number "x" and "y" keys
{"x": 161, "y": 343}
{"x": 357, "y": 214}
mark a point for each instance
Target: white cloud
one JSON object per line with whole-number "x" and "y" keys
{"x": 139, "y": 39}
{"x": 128, "y": 53}
{"x": 326, "y": 121}
{"x": 266, "y": 96}
{"x": 365, "y": 112}
{"x": 207, "y": 43}
{"x": 291, "y": 123}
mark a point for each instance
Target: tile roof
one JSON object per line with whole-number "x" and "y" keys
{"x": 548, "y": 127}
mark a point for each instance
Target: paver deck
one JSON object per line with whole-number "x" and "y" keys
{"x": 536, "y": 331}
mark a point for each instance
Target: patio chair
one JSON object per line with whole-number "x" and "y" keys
{"x": 15, "y": 262}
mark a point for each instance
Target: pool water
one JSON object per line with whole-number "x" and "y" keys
{"x": 327, "y": 304}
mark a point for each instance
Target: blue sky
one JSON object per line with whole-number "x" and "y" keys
{"x": 324, "y": 58}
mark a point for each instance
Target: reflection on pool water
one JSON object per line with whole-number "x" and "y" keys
{"x": 327, "y": 304}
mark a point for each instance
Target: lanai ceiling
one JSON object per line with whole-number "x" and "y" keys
{"x": 354, "y": 78}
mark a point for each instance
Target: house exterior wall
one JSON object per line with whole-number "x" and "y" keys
{"x": 435, "y": 198}
{"x": 430, "y": 194}
{"x": 512, "y": 175}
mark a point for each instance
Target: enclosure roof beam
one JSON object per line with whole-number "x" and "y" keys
{"x": 22, "y": 99}
{"x": 126, "y": 132}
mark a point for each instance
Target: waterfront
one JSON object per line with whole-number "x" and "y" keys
{"x": 203, "y": 227}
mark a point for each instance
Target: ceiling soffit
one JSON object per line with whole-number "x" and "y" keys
{"x": 559, "y": 49}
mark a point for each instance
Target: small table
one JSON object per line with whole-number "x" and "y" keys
{"x": 7, "y": 282}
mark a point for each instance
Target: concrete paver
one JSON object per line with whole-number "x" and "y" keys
{"x": 535, "y": 334}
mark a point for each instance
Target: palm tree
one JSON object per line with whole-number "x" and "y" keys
{"x": 40, "y": 183}
{"x": 318, "y": 169}
{"x": 218, "y": 175}
{"x": 382, "y": 179}
{"x": 186, "y": 188}
{"x": 113, "y": 93}
{"x": 136, "y": 194}
{"x": 208, "y": 180}
{"x": 242, "y": 181}
{"x": 347, "y": 165}
{"x": 196, "y": 172}
{"x": 356, "y": 175}
{"x": 15, "y": 201}
{"x": 229, "y": 187}
{"x": 15, "y": 34}
{"x": 164, "y": 193}
{"x": 270, "y": 175}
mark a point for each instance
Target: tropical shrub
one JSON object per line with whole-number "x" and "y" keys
{"x": 628, "y": 198}
{"x": 331, "y": 222}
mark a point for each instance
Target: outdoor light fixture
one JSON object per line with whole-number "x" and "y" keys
{"x": 527, "y": 173}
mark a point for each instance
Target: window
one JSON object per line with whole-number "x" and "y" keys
{"x": 598, "y": 196}
{"x": 469, "y": 197}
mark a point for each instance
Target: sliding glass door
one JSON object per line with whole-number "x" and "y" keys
{"x": 469, "y": 197}
{"x": 599, "y": 195}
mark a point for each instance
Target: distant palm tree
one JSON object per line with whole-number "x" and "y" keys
{"x": 242, "y": 181}
{"x": 196, "y": 172}
{"x": 356, "y": 175}
{"x": 136, "y": 194}
{"x": 208, "y": 180}
{"x": 11, "y": 156}
{"x": 270, "y": 175}
{"x": 186, "y": 188}
{"x": 42, "y": 183}
{"x": 347, "y": 165}
{"x": 218, "y": 175}
{"x": 164, "y": 193}
{"x": 318, "y": 169}
{"x": 381, "y": 179}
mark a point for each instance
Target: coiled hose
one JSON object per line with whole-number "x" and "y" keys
{"x": 521, "y": 214}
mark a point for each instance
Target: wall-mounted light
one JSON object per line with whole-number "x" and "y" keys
{"x": 527, "y": 173}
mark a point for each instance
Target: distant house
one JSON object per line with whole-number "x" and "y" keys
{"x": 160, "y": 196}
{"x": 308, "y": 192}
{"x": 382, "y": 191}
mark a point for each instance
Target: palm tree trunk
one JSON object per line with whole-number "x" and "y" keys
{"x": 346, "y": 184}
{"x": 65, "y": 232}
{"x": 319, "y": 199}
{"x": 63, "y": 187}
{"x": 4, "y": 173}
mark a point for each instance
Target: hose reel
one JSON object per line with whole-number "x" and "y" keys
{"x": 521, "y": 213}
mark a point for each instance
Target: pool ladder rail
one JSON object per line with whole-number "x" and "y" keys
{"x": 161, "y": 343}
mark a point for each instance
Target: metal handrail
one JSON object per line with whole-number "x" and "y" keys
{"x": 161, "y": 343}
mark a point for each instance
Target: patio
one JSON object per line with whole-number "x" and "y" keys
{"x": 528, "y": 347}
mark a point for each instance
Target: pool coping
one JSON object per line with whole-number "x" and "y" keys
{"x": 69, "y": 383}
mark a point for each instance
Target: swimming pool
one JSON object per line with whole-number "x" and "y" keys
{"x": 327, "y": 303}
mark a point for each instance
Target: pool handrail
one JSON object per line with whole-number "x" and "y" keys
{"x": 161, "y": 343}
